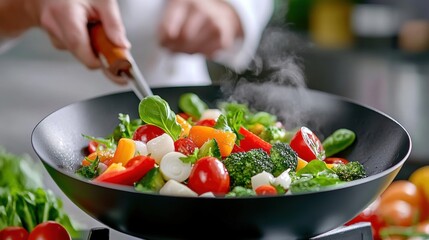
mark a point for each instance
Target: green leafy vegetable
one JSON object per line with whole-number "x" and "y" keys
{"x": 249, "y": 117}
{"x": 18, "y": 172}
{"x": 191, "y": 158}
{"x": 222, "y": 124}
{"x": 156, "y": 111}
{"x": 90, "y": 171}
{"x": 106, "y": 142}
{"x": 124, "y": 125}
{"x": 28, "y": 208}
{"x": 191, "y": 104}
{"x": 313, "y": 177}
{"x": 23, "y": 201}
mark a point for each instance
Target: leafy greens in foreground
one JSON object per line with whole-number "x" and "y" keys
{"x": 23, "y": 200}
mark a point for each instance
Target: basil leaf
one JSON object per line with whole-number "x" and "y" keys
{"x": 313, "y": 177}
{"x": 191, "y": 104}
{"x": 156, "y": 111}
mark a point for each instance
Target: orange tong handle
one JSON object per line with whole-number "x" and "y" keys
{"x": 116, "y": 57}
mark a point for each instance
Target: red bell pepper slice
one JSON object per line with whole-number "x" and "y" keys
{"x": 236, "y": 149}
{"x": 253, "y": 141}
{"x": 135, "y": 169}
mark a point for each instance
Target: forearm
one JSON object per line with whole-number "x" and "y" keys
{"x": 16, "y": 16}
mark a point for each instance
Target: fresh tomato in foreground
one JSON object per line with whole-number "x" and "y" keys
{"x": 398, "y": 213}
{"x": 336, "y": 160}
{"x": 185, "y": 146}
{"x": 209, "y": 122}
{"x": 147, "y": 132}
{"x": 420, "y": 178}
{"x": 14, "y": 233}
{"x": 370, "y": 215}
{"x": 49, "y": 230}
{"x": 406, "y": 191}
{"x": 135, "y": 169}
{"x": 209, "y": 175}
{"x": 307, "y": 145}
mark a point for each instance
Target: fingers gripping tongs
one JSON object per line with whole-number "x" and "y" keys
{"x": 117, "y": 61}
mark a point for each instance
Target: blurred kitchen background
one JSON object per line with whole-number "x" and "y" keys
{"x": 373, "y": 52}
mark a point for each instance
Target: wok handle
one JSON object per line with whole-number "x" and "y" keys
{"x": 115, "y": 59}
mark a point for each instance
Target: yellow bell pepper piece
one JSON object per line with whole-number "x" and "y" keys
{"x": 124, "y": 151}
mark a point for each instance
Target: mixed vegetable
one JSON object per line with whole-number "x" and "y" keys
{"x": 229, "y": 151}
{"x": 27, "y": 209}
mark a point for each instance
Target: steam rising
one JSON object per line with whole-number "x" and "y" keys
{"x": 275, "y": 71}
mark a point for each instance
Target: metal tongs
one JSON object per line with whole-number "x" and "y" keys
{"x": 117, "y": 61}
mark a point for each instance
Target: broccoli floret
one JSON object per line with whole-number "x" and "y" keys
{"x": 350, "y": 171}
{"x": 242, "y": 166}
{"x": 283, "y": 157}
{"x": 241, "y": 192}
{"x": 273, "y": 134}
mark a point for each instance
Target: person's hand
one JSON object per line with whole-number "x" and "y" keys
{"x": 194, "y": 26}
{"x": 66, "y": 23}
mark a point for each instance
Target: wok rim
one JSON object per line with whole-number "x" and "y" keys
{"x": 133, "y": 191}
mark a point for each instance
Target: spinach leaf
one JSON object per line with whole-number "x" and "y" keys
{"x": 313, "y": 177}
{"x": 156, "y": 111}
{"x": 191, "y": 104}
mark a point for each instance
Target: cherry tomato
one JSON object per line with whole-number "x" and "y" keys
{"x": 307, "y": 145}
{"x": 49, "y": 230}
{"x": 92, "y": 146}
{"x": 420, "y": 178}
{"x": 14, "y": 233}
{"x": 185, "y": 146}
{"x": 266, "y": 190}
{"x": 209, "y": 122}
{"x": 398, "y": 213}
{"x": 336, "y": 160}
{"x": 209, "y": 175}
{"x": 406, "y": 191}
{"x": 369, "y": 214}
{"x": 147, "y": 132}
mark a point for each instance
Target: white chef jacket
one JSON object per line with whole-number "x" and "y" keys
{"x": 162, "y": 68}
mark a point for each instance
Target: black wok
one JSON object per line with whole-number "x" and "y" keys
{"x": 382, "y": 146}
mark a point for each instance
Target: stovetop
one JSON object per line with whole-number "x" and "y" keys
{"x": 358, "y": 231}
